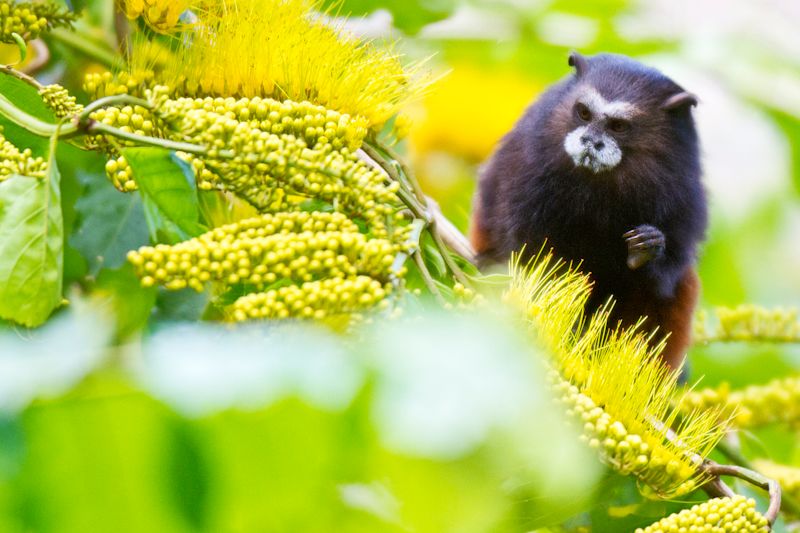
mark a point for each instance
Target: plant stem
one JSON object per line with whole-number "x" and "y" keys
{"x": 196, "y": 149}
{"x": 6, "y": 69}
{"x": 80, "y": 127}
{"x": 754, "y": 478}
{"x": 412, "y": 195}
{"x": 40, "y": 59}
{"x": 29, "y": 122}
{"x": 735, "y": 456}
{"x": 120, "y": 99}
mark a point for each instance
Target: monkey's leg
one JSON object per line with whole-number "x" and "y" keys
{"x": 645, "y": 243}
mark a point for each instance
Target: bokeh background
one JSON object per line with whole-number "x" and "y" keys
{"x": 113, "y": 418}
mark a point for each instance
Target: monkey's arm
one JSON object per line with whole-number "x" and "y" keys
{"x": 661, "y": 256}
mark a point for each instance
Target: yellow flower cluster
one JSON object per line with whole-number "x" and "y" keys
{"x": 314, "y": 123}
{"x": 736, "y": 514}
{"x": 314, "y": 299}
{"x": 160, "y": 15}
{"x": 30, "y": 19}
{"x": 787, "y": 476}
{"x": 284, "y": 49}
{"x": 272, "y": 154}
{"x": 101, "y": 84}
{"x": 628, "y": 453}
{"x": 14, "y": 162}
{"x": 301, "y": 153}
{"x": 131, "y": 119}
{"x": 750, "y": 323}
{"x": 294, "y": 246}
{"x": 60, "y": 101}
{"x": 756, "y": 405}
{"x": 121, "y": 174}
{"x": 613, "y": 379}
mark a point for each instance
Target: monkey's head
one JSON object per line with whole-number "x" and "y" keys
{"x": 617, "y": 113}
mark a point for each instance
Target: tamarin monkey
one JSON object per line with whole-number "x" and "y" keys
{"x": 605, "y": 169}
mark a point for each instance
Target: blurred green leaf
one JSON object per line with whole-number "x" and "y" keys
{"x": 132, "y": 304}
{"x": 409, "y": 16}
{"x": 31, "y": 247}
{"x": 96, "y": 462}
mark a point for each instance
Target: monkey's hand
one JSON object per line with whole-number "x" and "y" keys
{"x": 645, "y": 243}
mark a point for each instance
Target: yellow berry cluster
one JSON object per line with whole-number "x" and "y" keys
{"x": 121, "y": 174}
{"x": 297, "y": 247}
{"x": 314, "y": 123}
{"x": 720, "y": 515}
{"x": 12, "y": 161}
{"x": 30, "y": 19}
{"x": 131, "y": 119}
{"x": 649, "y": 458}
{"x": 751, "y": 323}
{"x": 274, "y": 170}
{"x": 60, "y": 101}
{"x": 101, "y": 84}
{"x": 756, "y": 405}
{"x": 314, "y": 299}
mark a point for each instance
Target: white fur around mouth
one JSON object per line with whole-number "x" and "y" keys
{"x": 595, "y": 160}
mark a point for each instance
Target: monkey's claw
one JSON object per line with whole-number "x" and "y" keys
{"x": 645, "y": 243}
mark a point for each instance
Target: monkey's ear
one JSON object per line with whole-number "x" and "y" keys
{"x": 678, "y": 101}
{"x": 579, "y": 62}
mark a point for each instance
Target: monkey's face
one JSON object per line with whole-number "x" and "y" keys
{"x": 599, "y": 130}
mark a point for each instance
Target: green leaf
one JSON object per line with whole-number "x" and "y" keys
{"x": 111, "y": 224}
{"x": 31, "y": 246}
{"x": 432, "y": 257}
{"x": 26, "y": 98}
{"x": 169, "y": 199}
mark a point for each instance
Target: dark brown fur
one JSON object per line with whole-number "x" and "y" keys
{"x": 532, "y": 193}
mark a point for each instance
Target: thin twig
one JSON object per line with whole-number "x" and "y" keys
{"x": 444, "y": 234}
{"x": 754, "y": 478}
{"x": 716, "y": 488}
{"x": 40, "y": 57}
{"x": 119, "y": 99}
{"x": 788, "y": 503}
{"x": 6, "y": 69}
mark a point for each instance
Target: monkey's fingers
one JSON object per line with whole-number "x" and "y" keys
{"x": 645, "y": 243}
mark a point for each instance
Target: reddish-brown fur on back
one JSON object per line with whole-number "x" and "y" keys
{"x": 478, "y": 235}
{"x": 672, "y": 316}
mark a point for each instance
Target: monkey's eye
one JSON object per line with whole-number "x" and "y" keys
{"x": 618, "y": 125}
{"x": 583, "y": 112}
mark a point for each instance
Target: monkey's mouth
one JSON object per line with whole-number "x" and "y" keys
{"x": 592, "y": 161}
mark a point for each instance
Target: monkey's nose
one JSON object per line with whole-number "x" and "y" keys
{"x": 590, "y": 141}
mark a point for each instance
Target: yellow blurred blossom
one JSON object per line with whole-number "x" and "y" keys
{"x": 469, "y": 110}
